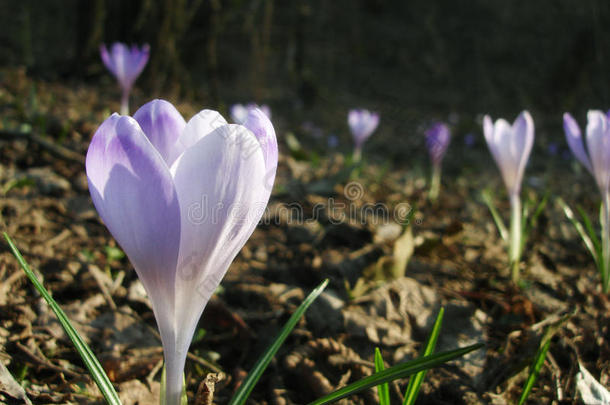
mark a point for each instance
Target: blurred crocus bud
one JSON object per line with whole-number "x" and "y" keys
{"x": 438, "y": 137}
{"x": 469, "y": 140}
{"x": 126, "y": 63}
{"x": 362, "y": 123}
{"x": 510, "y": 147}
{"x": 239, "y": 112}
{"x": 181, "y": 199}
{"x": 597, "y": 161}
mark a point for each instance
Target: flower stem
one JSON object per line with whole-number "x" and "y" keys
{"x": 357, "y": 154}
{"x": 174, "y": 378}
{"x": 514, "y": 250}
{"x": 435, "y": 182}
{"x": 605, "y": 218}
{"x": 125, "y": 102}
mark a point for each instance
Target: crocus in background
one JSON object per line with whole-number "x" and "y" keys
{"x": 239, "y": 112}
{"x": 438, "y": 137}
{"x": 181, "y": 199}
{"x": 362, "y": 123}
{"x": 597, "y": 162}
{"x": 511, "y": 147}
{"x": 126, "y": 63}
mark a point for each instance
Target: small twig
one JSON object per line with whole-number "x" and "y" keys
{"x": 98, "y": 276}
{"x": 53, "y": 148}
{"x": 43, "y": 361}
{"x": 154, "y": 371}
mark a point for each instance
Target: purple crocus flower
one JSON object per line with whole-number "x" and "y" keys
{"x": 510, "y": 147}
{"x": 181, "y": 199}
{"x": 239, "y": 112}
{"x": 126, "y": 63}
{"x": 597, "y": 162}
{"x": 362, "y": 123}
{"x": 437, "y": 141}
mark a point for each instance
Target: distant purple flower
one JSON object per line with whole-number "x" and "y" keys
{"x": 510, "y": 147}
{"x": 438, "y": 137}
{"x": 333, "y": 141}
{"x": 312, "y": 129}
{"x": 126, "y": 63}
{"x": 181, "y": 199}
{"x": 239, "y": 112}
{"x": 362, "y": 123}
{"x": 597, "y": 161}
{"x": 469, "y": 140}
{"x": 553, "y": 148}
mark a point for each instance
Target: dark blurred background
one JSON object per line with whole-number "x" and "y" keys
{"x": 410, "y": 60}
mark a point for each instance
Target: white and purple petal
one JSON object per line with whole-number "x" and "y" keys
{"x": 163, "y": 125}
{"x": 598, "y": 143}
{"x": 133, "y": 191}
{"x": 510, "y": 147}
{"x": 575, "y": 141}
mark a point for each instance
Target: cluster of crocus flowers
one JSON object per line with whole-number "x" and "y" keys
{"x": 438, "y": 137}
{"x": 181, "y": 199}
{"x": 597, "y": 162}
{"x": 126, "y": 63}
{"x": 239, "y": 112}
{"x": 511, "y": 147}
{"x": 362, "y": 123}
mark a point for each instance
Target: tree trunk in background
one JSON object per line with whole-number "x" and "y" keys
{"x": 91, "y": 16}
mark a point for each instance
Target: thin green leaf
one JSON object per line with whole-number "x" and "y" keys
{"x": 486, "y": 194}
{"x": 383, "y": 389}
{"x": 415, "y": 382}
{"x": 535, "y": 370}
{"x": 246, "y": 387}
{"x": 91, "y": 362}
{"x": 530, "y": 223}
{"x": 554, "y": 326}
{"x": 399, "y": 371}
{"x": 591, "y": 232}
{"x": 591, "y": 244}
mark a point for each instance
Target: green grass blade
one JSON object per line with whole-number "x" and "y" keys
{"x": 399, "y": 371}
{"x": 415, "y": 382}
{"x": 246, "y": 387}
{"x": 91, "y": 362}
{"x": 535, "y": 370}
{"x": 592, "y": 245}
{"x": 383, "y": 389}
{"x": 486, "y": 194}
{"x": 591, "y": 231}
{"x": 529, "y": 222}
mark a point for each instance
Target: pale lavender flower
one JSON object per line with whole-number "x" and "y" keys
{"x": 126, "y": 63}
{"x": 510, "y": 147}
{"x": 362, "y": 123}
{"x": 181, "y": 199}
{"x": 239, "y": 112}
{"x": 438, "y": 137}
{"x": 597, "y": 162}
{"x": 437, "y": 141}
